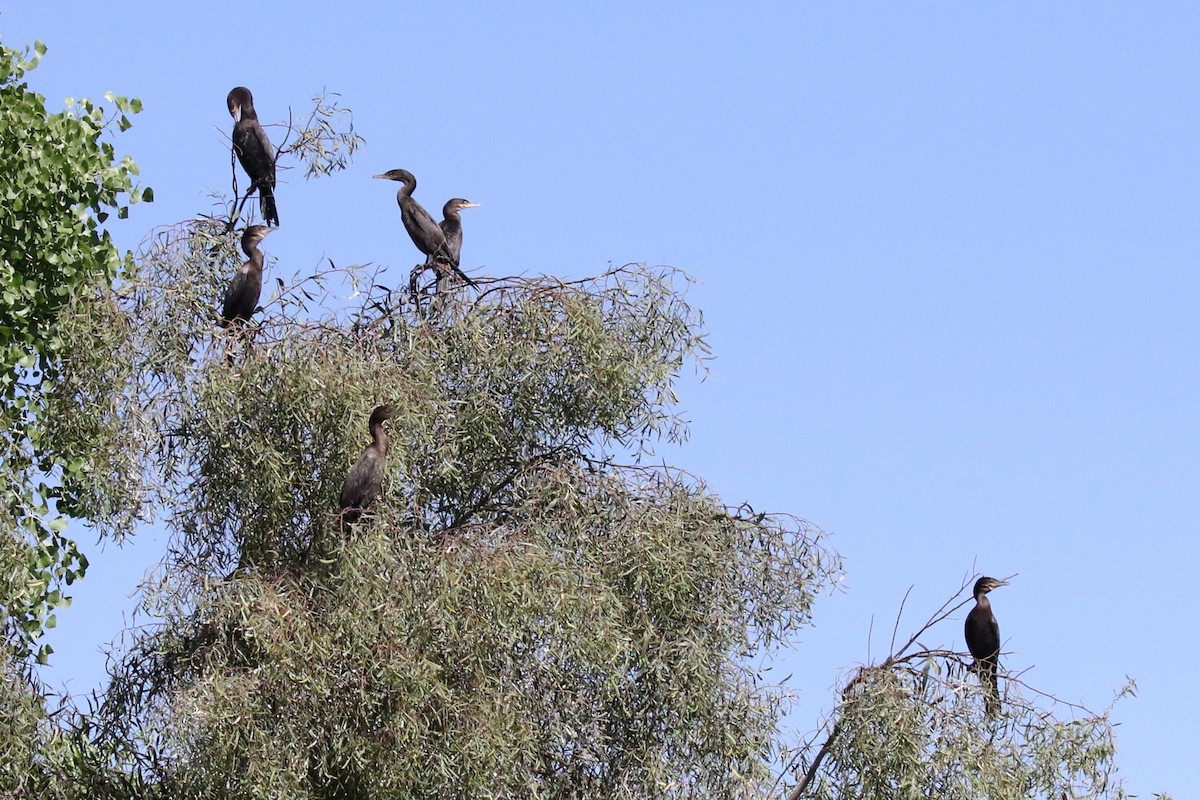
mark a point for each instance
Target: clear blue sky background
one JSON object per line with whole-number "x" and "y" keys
{"x": 947, "y": 253}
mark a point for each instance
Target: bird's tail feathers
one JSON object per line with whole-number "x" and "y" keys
{"x": 458, "y": 271}
{"x": 986, "y": 670}
{"x": 266, "y": 204}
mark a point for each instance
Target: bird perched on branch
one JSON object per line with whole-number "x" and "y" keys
{"x": 429, "y": 237}
{"x": 451, "y": 226}
{"x": 982, "y": 633}
{"x": 365, "y": 479}
{"x": 241, "y": 298}
{"x": 254, "y": 151}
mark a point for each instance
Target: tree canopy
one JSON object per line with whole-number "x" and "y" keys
{"x": 529, "y": 610}
{"x": 532, "y": 608}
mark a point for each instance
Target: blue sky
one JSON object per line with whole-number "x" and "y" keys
{"x": 947, "y": 254}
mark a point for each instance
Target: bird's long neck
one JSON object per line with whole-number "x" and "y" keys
{"x": 379, "y": 438}
{"x": 982, "y": 602}
{"x": 256, "y": 258}
{"x": 406, "y": 189}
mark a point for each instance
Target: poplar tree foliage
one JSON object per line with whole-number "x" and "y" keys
{"x": 61, "y": 180}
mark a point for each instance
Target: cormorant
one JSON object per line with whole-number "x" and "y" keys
{"x": 451, "y": 226}
{"x": 242, "y": 296}
{"x": 982, "y": 633}
{"x": 426, "y": 234}
{"x": 254, "y": 151}
{"x": 365, "y": 479}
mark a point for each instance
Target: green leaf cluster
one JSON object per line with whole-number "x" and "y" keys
{"x": 60, "y": 179}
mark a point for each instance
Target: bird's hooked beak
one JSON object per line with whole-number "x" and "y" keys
{"x": 384, "y": 176}
{"x": 996, "y": 584}
{"x": 472, "y": 205}
{"x": 236, "y": 112}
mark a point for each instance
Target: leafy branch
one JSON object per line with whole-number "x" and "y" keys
{"x": 914, "y": 720}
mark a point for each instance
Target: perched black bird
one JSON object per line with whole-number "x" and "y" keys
{"x": 254, "y": 151}
{"x": 982, "y": 633}
{"x": 242, "y": 296}
{"x": 451, "y": 226}
{"x": 365, "y": 478}
{"x": 426, "y": 234}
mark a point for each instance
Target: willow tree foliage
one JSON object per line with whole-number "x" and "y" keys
{"x": 916, "y": 726}
{"x": 530, "y": 611}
